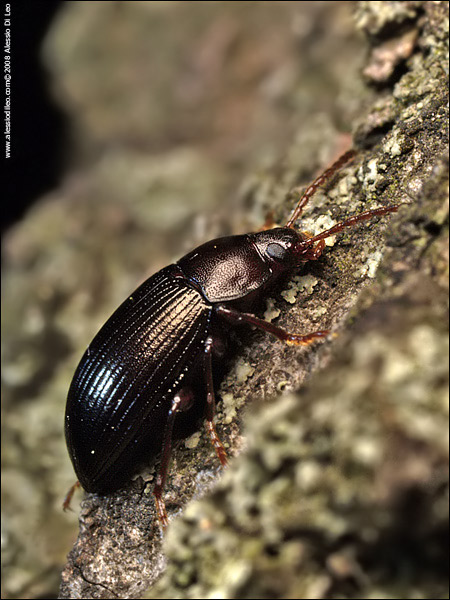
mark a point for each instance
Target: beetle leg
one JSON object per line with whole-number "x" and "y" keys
{"x": 182, "y": 401}
{"x": 237, "y": 317}
{"x": 211, "y": 404}
{"x": 69, "y": 495}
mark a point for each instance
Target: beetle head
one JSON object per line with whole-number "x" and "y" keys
{"x": 285, "y": 249}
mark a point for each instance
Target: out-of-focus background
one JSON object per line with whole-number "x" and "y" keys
{"x": 139, "y": 130}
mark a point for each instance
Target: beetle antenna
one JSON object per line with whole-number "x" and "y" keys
{"x": 311, "y": 189}
{"x": 352, "y": 221}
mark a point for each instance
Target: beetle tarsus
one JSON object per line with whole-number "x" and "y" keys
{"x": 69, "y": 496}
{"x": 211, "y": 404}
{"x": 161, "y": 511}
{"x": 294, "y": 339}
{"x": 218, "y": 446}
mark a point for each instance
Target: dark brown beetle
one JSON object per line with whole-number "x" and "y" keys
{"x": 137, "y": 373}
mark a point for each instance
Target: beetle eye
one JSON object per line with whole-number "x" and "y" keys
{"x": 276, "y": 251}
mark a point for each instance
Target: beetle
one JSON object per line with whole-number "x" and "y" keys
{"x": 137, "y": 375}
